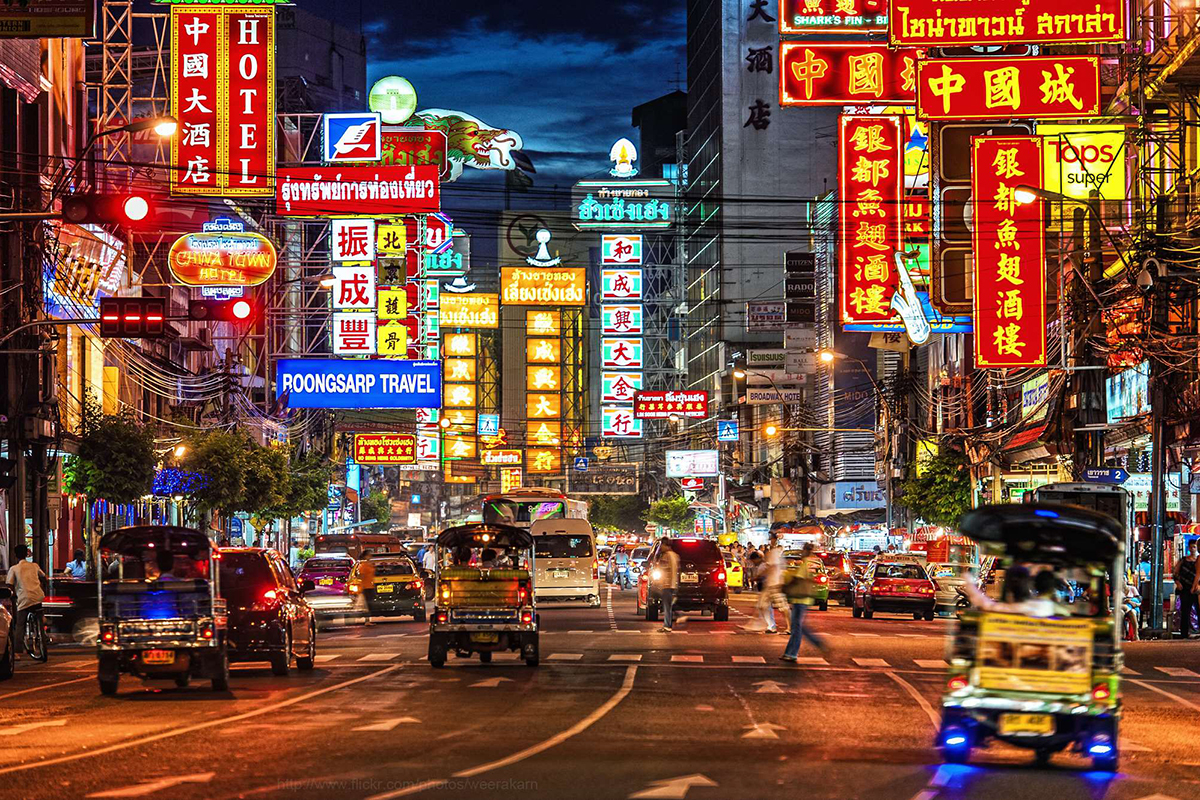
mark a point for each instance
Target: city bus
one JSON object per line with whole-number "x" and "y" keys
{"x": 357, "y": 544}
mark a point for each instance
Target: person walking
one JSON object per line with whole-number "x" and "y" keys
{"x": 1186, "y": 587}
{"x": 799, "y": 588}
{"x": 773, "y": 587}
{"x": 669, "y": 564}
{"x": 366, "y": 583}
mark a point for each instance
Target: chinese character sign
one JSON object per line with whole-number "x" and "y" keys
{"x": 223, "y": 96}
{"x": 621, "y": 320}
{"x": 619, "y": 422}
{"x": 621, "y": 249}
{"x": 870, "y": 175}
{"x": 543, "y": 351}
{"x": 1010, "y": 253}
{"x": 1046, "y": 87}
{"x": 354, "y": 287}
{"x": 619, "y": 387}
{"x": 621, "y": 284}
{"x": 833, "y": 16}
{"x": 353, "y": 333}
{"x": 352, "y": 239}
{"x": 937, "y": 23}
{"x": 815, "y": 74}
{"x": 620, "y": 353}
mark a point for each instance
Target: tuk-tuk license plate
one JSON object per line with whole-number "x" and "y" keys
{"x": 158, "y": 656}
{"x": 689, "y": 577}
{"x": 384, "y": 588}
{"x": 485, "y": 638}
{"x": 1026, "y": 723}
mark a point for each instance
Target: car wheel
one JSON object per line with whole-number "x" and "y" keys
{"x": 929, "y": 616}
{"x": 916, "y": 615}
{"x": 419, "y": 616}
{"x": 281, "y": 663}
{"x": 182, "y": 680}
{"x": 309, "y": 660}
{"x": 867, "y": 611}
{"x": 486, "y": 657}
{"x": 721, "y": 614}
{"x": 9, "y": 663}
{"x": 220, "y": 681}
{"x": 855, "y": 611}
{"x": 108, "y": 687}
{"x": 824, "y": 606}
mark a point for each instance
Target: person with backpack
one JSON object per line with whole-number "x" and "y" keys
{"x": 798, "y": 587}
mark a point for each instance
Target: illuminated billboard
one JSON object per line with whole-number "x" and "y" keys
{"x": 819, "y": 73}
{"x": 1041, "y": 87}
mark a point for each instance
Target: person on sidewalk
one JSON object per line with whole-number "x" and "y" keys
{"x": 1186, "y": 587}
{"x": 670, "y": 582}
{"x": 799, "y": 588}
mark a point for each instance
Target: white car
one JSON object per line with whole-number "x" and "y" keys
{"x": 948, "y": 579}
{"x": 567, "y": 567}
{"x": 8, "y": 645}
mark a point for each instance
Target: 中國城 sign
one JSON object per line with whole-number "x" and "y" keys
{"x": 337, "y": 190}
{"x": 355, "y": 383}
{"x": 224, "y": 254}
{"x": 1041, "y": 87}
{"x": 1003, "y": 22}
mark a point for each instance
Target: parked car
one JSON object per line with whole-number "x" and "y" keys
{"x": 894, "y": 584}
{"x": 734, "y": 578}
{"x": 269, "y": 618}
{"x": 8, "y": 636}
{"x": 702, "y": 579}
{"x": 948, "y": 578}
{"x": 399, "y": 589}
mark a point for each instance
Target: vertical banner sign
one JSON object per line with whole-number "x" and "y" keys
{"x": 871, "y": 176}
{"x": 223, "y": 95}
{"x": 1010, "y": 253}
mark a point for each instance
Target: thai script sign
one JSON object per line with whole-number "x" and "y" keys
{"x": 477, "y": 310}
{"x": 662, "y": 405}
{"x": 558, "y": 286}
{"x": 622, "y": 205}
{"x": 325, "y": 191}
{"x": 1048, "y": 87}
{"x": 409, "y": 147}
{"x": 384, "y": 449}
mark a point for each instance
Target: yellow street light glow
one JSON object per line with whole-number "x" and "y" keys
{"x": 1024, "y": 195}
{"x": 739, "y": 373}
{"x": 180, "y": 450}
{"x": 770, "y": 430}
{"x": 165, "y": 127}
{"x": 826, "y": 356}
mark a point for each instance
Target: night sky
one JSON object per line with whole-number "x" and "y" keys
{"x": 565, "y": 75}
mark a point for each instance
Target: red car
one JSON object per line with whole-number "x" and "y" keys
{"x": 896, "y": 586}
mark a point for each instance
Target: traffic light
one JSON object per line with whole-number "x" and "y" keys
{"x": 238, "y": 309}
{"x": 133, "y": 209}
{"x": 132, "y": 317}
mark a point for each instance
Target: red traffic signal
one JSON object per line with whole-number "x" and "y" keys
{"x": 235, "y": 310}
{"x": 132, "y": 317}
{"x": 113, "y": 209}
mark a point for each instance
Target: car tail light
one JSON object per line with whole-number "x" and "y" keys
{"x": 957, "y": 683}
{"x": 526, "y": 617}
{"x": 1101, "y": 692}
{"x": 269, "y": 601}
{"x": 353, "y": 587}
{"x": 108, "y": 634}
{"x": 595, "y": 569}
{"x": 415, "y": 584}
{"x": 823, "y": 579}
{"x": 721, "y": 576}
{"x": 442, "y": 617}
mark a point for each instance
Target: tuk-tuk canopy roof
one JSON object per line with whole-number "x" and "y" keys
{"x": 473, "y": 535}
{"x": 1046, "y": 531}
{"x": 134, "y": 541}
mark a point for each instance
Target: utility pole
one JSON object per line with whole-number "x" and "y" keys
{"x": 1158, "y": 489}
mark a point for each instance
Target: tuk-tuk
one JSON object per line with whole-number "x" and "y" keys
{"x": 161, "y": 611}
{"x": 484, "y": 600}
{"x": 1039, "y": 666}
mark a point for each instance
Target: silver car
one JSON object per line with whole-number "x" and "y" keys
{"x": 949, "y": 578}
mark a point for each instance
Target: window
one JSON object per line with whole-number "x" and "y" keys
{"x": 513, "y": 512}
{"x": 393, "y": 567}
{"x": 556, "y": 545}
{"x": 696, "y": 550}
{"x": 245, "y": 576}
{"x": 909, "y": 572}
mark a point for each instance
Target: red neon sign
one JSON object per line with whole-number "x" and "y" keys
{"x": 1048, "y": 87}
{"x": 820, "y": 74}
{"x": 937, "y": 23}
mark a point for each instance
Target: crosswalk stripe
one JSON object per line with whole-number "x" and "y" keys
{"x": 930, "y": 663}
{"x": 1178, "y": 672}
{"x": 911, "y": 635}
{"x": 689, "y": 659}
{"x": 506, "y": 656}
{"x": 379, "y": 656}
{"x": 871, "y": 662}
{"x": 812, "y": 661}
{"x": 1128, "y": 671}
{"x": 625, "y": 657}
{"x": 749, "y": 660}
{"x": 866, "y": 635}
{"x": 325, "y": 659}
{"x": 578, "y": 631}
{"x": 564, "y": 657}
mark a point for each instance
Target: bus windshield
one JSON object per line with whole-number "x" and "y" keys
{"x": 505, "y": 511}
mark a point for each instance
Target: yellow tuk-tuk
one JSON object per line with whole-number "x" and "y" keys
{"x": 1039, "y": 666}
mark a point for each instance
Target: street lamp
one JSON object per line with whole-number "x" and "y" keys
{"x": 1025, "y": 194}
{"x": 180, "y": 451}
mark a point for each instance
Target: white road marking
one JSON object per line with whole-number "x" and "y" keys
{"x": 812, "y": 661}
{"x": 199, "y": 726}
{"x": 1178, "y": 672}
{"x": 379, "y": 657}
{"x": 564, "y": 657}
{"x": 921, "y": 701}
{"x": 150, "y": 787}
{"x": 625, "y": 657}
{"x": 533, "y": 750}
{"x": 46, "y": 686}
{"x": 689, "y": 659}
{"x": 763, "y": 730}
{"x": 930, "y": 663}
{"x": 769, "y": 687}
{"x": 490, "y": 683}
{"x": 506, "y": 656}
{"x": 387, "y": 724}
{"x": 704, "y": 708}
{"x": 672, "y": 788}
{"x": 909, "y": 635}
{"x": 1128, "y": 671}
{"x": 578, "y": 631}
{"x": 871, "y": 662}
{"x": 1133, "y": 747}
{"x": 326, "y": 658}
{"x": 87, "y": 662}
{"x": 866, "y": 635}
{"x": 612, "y": 617}
{"x": 1183, "y": 702}
{"x": 749, "y": 660}
{"x": 29, "y": 726}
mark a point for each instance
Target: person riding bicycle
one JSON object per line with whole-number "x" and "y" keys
{"x": 27, "y": 578}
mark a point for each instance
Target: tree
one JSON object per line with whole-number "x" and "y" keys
{"x": 622, "y": 511}
{"x": 377, "y": 506}
{"x": 266, "y": 481}
{"x": 307, "y": 489}
{"x": 220, "y": 458}
{"x": 671, "y": 512}
{"x": 116, "y": 460}
{"x": 938, "y": 490}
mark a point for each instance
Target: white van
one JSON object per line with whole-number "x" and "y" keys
{"x": 565, "y": 555}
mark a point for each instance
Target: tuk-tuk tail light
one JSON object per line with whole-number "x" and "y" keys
{"x": 108, "y": 634}
{"x": 526, "y": 617}
{"x": 206, "y": 630}
{"x": 1101, "y": 692}
{"x": 957, "y": 683}
{"x": 442, "y": 617}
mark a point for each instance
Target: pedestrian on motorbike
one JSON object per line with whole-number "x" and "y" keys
{"x": 26, "y": 578}
{"x": 799, "y": 588}
{"x": 1186, "y": 586}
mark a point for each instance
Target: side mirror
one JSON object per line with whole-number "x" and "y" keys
{"x": 307, "y": 585}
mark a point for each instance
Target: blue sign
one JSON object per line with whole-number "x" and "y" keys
{"x": 353, "y": 475}
{"x": 350, "y": 383}
{"x": 488, "y": 424}
{"x": 727, "y": 430}
{"x": 1105, "y": 475}
{"x": 235, "y": 526}
{"x": 938, "y": 322}
{"x": 415, "y": 499}
{"x": 353, "y": 137}
{"x": 581, "y": 464}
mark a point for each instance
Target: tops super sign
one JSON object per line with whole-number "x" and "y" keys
{"x": 352, "y": 137}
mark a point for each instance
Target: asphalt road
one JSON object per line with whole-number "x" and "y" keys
{"x": 616, "y": 710}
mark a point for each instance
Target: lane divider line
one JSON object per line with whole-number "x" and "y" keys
{"x": 46, "y": 686}
{"x": 1182, "y": 701}
{"x": 921, "y": 701}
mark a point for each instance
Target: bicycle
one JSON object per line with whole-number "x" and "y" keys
{"x": 36, "y": 643}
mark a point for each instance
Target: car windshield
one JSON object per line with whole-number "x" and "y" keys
{"x": 901, "y": 571}
{"x": 509, "y": 512}
{"x": 1041, "y": 589}
{"x": 393, "y": 567}
{"x": 832, "y": 560}
{"x": 696, "y": 550}
{"x": 560, "y": 545}
{"x": 641, "y": 553}
{"x": 245, "y": 576}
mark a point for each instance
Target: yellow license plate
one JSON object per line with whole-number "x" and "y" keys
{"x": 1026, "y": 723}
{"x": 689, "y": 577}
{"x": 384, "y": 588}
{"x": 158, "y": 656}
{"x": 485, "y": 638}
{"x": 325, "y": 582}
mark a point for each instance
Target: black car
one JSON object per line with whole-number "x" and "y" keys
{"x": 269, "y": 619}
{"x": 702, "y": 583}
{"x": 399, "y": 589}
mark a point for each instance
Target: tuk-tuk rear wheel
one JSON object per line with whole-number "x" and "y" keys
{"x": 220, "y": 680}
{"x": 108, "y": 687}
{"x": 485, "y": 656}
{"x": 182, "y": 680}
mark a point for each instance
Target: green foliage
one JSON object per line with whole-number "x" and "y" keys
{"x": 671, "y": 512}
{"x": 238, "y": 474}
{"x": 621, "y": 512}
{"x": 116, "y": 460}
{"x": 266, "y": 481}
{"x": 376, "y": 506}
{"x": 941, "y": 494}
{"x": 308, "y": 487}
